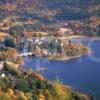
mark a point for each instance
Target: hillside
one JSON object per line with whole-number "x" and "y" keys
{"x": 14, "y": 7}
{"x": 17, "y": 84}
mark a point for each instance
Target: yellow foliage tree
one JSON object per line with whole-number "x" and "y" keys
{"x": 21, "y": 96}
{"x": 11, "y": 94}
{"x": 41, "y": 97}
{"x": 61, "y": 92}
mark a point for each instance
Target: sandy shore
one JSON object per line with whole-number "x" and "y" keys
{"x": 65, "y": 58}
{"x": 73, "y": 36}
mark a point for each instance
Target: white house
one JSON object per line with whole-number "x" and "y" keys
{"x": 1, "y": 65}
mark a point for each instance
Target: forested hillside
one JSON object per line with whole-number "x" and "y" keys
{"x": 48, "y": 14}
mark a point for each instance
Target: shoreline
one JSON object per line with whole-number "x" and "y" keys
{"x": 59, "y": 58}
{"x": 65, "y": 58}
{"x": 73, "y": 37}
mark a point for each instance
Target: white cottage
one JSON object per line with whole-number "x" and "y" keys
{"x": 1, "y": 65}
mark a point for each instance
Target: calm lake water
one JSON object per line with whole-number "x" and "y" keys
{"x": 81, "y": 73}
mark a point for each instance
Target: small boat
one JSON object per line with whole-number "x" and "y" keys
{"x": 40, "y": 68}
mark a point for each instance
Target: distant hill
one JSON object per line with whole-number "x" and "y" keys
{"x": 48, "y": 11}
{"x": 9, "y": 7}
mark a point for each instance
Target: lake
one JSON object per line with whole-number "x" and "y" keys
{"x": 82, "y": 74}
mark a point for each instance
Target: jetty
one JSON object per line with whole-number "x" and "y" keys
{"x": 27, "y": 54}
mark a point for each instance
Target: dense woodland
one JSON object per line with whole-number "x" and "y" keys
{"x": 47, "y": 15}
{"x": 19, "y": 84}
